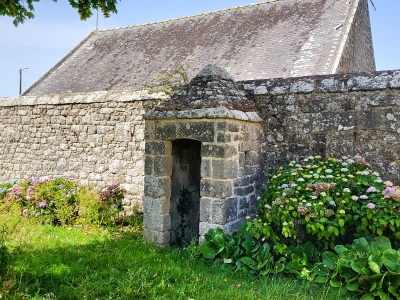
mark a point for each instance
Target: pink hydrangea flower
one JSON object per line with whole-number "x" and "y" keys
{"x": 363, "y": 197}
{"x": 25, "y": 212}
{"x": 371, "y": 205}
{"x": 372, "y": 189}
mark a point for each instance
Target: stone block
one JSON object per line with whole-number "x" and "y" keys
{"x": 201, "y": 131}
{"x": 224, "y": 210}
{"x": 157, "y": 222}
{"x": 395, "y": 80}
{"x": 160, "y": 206}
{"x": 246, "y": 146}
{"x": 157, "y": 187}
{"x": 250, "y": 170}
{"x": 223, "y": 137}
{"x": 123, "y": 132}
{"x": 156, "y": 237}
{"x": 233, "y": 127}
{"x": 117, "y": 166}
{"x": 329, "y": 85}
{"x": 222, "y": 126}
{"x": 156, "y": 148}
{"x": 62, "y": 165}
{"x": 302, "y": 86}
{"x": 224, "y": 169}
{"x": 205, "y": 209}
{"x": 216, "y": 188}
{"x": 205, "y": 168}
{"x": 240, "y": 182}
{"x": 163, "y": 165}
{"x": 165, "y": 131}
{"x": 359, "y": 83}
{"x": 218, "y": 151}
{"x": 251, "y": 158}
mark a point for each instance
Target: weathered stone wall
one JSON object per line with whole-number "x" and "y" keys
{"x": 357, "y": 53}
{"x": 331, "y": 115}
{"x": 96, "y": 138}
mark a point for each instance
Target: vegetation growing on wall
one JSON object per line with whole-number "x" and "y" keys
{"x": 170, "y": 82}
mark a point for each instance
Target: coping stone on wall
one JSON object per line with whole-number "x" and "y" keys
{"x": 323, "y": 83}
{"x": 82, "y": 98}
{"x": 205, "y": 113}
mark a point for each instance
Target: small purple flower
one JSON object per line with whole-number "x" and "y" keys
{"x": 364, "y": 197}
{"x": 25, "y": 212}
{"x": 371, "y": 205}
{"x": 42, "y": 204}
{"x": 371, "y": 189}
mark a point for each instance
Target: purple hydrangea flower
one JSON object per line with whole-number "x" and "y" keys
{"x": 371, "y": 205}
{"x": 371, "y": 189}
{"x": 364, "y": 197}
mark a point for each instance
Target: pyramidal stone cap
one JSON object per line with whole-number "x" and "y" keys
{"x": 215, "y": 71}
{"x": 213, "y": 87}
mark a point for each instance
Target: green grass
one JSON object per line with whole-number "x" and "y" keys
{"x": 88, "y": 263}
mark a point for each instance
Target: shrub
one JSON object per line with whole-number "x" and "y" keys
{"x": 326, "y": 203}
{"x": 60, "y": 201}
{"x": 371, "y": 269}
{"x": 239, "y": 252}
{"x": 52, "y": 200}
{"x": 110, "y": 200}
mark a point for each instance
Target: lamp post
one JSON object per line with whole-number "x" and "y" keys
{"x": 20, "y": 79}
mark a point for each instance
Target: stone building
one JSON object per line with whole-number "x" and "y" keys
{"x": 267, "y": 79}
{"x": 271, "y": 39}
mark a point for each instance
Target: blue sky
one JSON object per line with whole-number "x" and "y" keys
{"x": 40, "y": 43}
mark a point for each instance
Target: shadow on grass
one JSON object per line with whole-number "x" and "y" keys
{"x": 127, "y": 268}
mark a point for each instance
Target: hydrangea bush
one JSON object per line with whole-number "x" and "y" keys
{"x": 62, "y": 201}
{"x": 326, "y": 203}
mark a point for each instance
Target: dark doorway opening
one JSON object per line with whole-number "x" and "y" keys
{"x": 185, "y": 191}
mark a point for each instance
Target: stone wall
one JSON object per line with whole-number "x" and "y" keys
{"x": 96, "y": 138}
{"x": 357, "y": 52}
{"x": 331, "y": 115}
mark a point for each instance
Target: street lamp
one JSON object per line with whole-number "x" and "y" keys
{"x": 20, "y": 79}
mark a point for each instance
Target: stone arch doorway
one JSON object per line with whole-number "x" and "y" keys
{"x": 185, "y": 191}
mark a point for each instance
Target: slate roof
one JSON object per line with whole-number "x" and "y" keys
{"x": 264, "y": 40}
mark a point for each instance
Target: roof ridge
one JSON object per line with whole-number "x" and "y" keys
{"x": 194, "y": 15}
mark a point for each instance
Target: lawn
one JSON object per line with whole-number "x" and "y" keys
{"x": 80, "y": 262}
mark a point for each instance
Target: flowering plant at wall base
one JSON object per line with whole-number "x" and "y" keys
{"x": 326, "y": 203}
{"x": 52, "y": 200}
{"x": 60, "y": 201}
{"x": 111, "y": 203}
